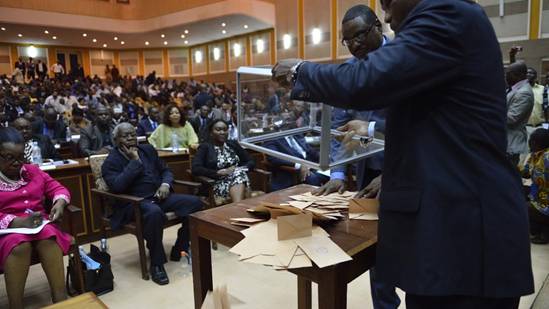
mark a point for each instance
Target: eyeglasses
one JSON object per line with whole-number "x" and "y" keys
{"x": 11, "y": 159}
{"x": 359, "y": 37}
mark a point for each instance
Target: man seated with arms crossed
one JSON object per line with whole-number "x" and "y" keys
{"x": 97, "y": 138}
{"x": 362, "y": 34}
{"x": 137, "y": 170}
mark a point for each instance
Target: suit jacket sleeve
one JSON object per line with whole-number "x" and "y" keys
{"x": 141, "y": 129}
{"x": 427, "y": 53}
{"x": 519, "y": 109}
{"x": 85, "y": 142}
{"x": 199, "y": 164}
{"x": 119, "y": 177}
{"x": 165, "y": 172}
{"x": 274, "y": 161}
{"x": 49, "y": 150}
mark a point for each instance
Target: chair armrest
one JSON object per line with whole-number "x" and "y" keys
{"x": 190, "y": 184}
{"x": 262, "y": 172}
{"x": 264, "y": 178}
{"x": 205, "y": 180}
{"x": 72, "y": 215}
{"x": 289, "y": 169}
{"x": 120, "y": 197}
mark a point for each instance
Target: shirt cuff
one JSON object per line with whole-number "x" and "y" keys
{"x": 167, "y": 184}
{"x": 337, "y": 176}
{"x": 297, "y": 166}
{"x": 63, "y": 197}
{"x": 371, "y": 128}
{"x": 5, "y": 222}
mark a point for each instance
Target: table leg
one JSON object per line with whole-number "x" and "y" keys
{"x": 202, "y": 266}
{"x": 332, "y": 290}
{"x": 303, "y": 293}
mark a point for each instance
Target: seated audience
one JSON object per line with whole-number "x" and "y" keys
{"x": 137, "y": 170}
{"x": 47, "y": 148}
{"x": 97, "y": 138}
{"x": 222, "y": 160}
{"x": 24, "y": 188}
{"x": 52, "y": 126}
{"x": 148, "y": 123}
{"x": 78, "y": 122}
{"x": 297, "y": 147}
{"x": 537, "y": 168}
{"x": 174, "y": 122}
{"x": 201, "y": 121}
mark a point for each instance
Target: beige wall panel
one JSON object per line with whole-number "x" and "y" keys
{"x": 129, "y": 63}
{"x": 153, "y": 62}
{"x": 199, "y": 62}
{"x": 217, "y": 66}
{"x": 261, "y": 55}
{"x": 514, "y": 23}
{"x": 179, "y": 61}
{"x": 98, "y": 60}
{"x": 236, "y": 61}
{"x": 317, "y": 18}
{"x": 5, "y": 60}
{"x": 545, "y": 19}
{"x": 287, "y": 23}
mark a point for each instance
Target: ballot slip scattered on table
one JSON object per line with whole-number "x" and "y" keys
{"x": 322, "y": 250}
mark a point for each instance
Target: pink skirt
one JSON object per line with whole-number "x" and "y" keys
{"x": 50, "y": 231}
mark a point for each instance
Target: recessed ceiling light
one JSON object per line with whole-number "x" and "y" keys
{"x": 186, "y": 31}
{"x": 116, "y": 38}
{"x": 20, "y": 35}
{"x": 245, "y": 26}
{"x": 94, "y": 40}
{"x": 147, "y": 43}
{"x": 223, "y": 24}
{"x": 165, "y": 42}
{"x": 84, "y": 34}
{"x": 3, "y": 29}
{"x": 162, "y": 36}
{"x": 104, "y": 45}
{"x": 54, "y": 37}
{"x": 122, "y": 42}
{"x": 46, "y": 31}
{"x": 186, "y": 42}
{"x": 182, "y": 36}
{"x": 223, "y": 31}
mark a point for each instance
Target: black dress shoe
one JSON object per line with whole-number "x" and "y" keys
{"x": 540, "y": 239}
{"x": 159, "y": 275}
{"x": 175, "y": 255}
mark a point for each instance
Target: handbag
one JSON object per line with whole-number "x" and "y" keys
{"x": 100, "y": 281}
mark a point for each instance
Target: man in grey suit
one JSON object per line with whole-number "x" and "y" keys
{"x": 97, "y": 138}
{"x": 520, "y": 102}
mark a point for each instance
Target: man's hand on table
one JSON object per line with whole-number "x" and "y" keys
{"x": 371, "y": 190}
{"x": 334, "y": 185}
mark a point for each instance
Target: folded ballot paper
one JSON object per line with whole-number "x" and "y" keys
{"x": 289, "y": 242}
{"x": 364, "y": 209}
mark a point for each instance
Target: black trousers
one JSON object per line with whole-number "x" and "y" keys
{"x": 153, "y": 214}
{"x": 460, "y": 302}
{"x": 539, "y": 223}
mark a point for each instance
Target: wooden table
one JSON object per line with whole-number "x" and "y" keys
{"x": 357, "y": 237}
{"x": 84, "y": 301}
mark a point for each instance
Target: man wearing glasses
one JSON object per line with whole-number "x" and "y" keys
{"x": 362, "y": 34}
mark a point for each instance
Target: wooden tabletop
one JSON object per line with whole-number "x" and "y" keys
{"x": 84, "y": 301}
{"x": 352, "y": 236}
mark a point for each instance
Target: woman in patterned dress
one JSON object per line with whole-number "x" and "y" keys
{"x": 224, "y": 161}
{"x": 23, "y": 189}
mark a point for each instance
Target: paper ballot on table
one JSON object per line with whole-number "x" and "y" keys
{"x": 27, "y": 231}
{"x": 364, "y": 205}
{"x": 322, "y": 250}
{"x": 295, "y": 226}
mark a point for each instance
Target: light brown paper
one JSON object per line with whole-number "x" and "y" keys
{"x": 296, "y": 226}
{"x": 364, "y": 206}
{"x": 322, "y": 250}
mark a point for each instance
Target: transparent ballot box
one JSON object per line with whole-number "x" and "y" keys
{"x": 293, "y": 131}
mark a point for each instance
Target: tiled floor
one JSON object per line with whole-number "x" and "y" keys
{"x": 250, "y": 286}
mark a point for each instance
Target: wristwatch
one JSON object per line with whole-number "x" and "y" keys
{"x": 292, "y": 75}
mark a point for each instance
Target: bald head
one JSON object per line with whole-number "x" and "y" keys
{"x": 516, "y": 72}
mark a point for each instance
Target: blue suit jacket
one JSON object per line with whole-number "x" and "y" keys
{"x": 453, "y": 219}
{"x": 139, "y": 178}
{"x": 144, "y": 126}
{"x": 282, "y": 179}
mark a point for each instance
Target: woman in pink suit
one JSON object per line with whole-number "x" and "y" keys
{"x": 23, "y": 189}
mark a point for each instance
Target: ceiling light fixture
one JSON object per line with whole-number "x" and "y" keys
{"x": 3, "y": 29}
{"x": 287, "y": 41}
{"x": 46, "y": 31}
{"x": 245, "y": 26}
{"x": 260, "y": 46}
{"x": 186, "y": 42}
{"x": 122, "y": 42}
{"x": 223, "y": 24}
{"x": 147, "y": 43}
{"x": 84, "y": 34}
{"x": 54, "y": 37}
{"x": 165, "y": 42}
{"x": 182, "y": 36}
{"x": 20, "y": 35}
{"x": 186, "y": 31}
{"x": 162, "y": 36}
{"x": 116, "y": 38}
{"x": 94, "y": 40}
{"x": 104, "y": 45}
{"x": 224, "y": 31}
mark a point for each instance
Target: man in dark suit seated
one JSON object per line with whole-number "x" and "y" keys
{"x": 201, "y": 122}
{"x": 52, "y": 126}
{"x": 97, "y": 138}
{"x": 149, "y": 123}
{"x": 297, "y": 147}
{"x": 137, "y": 170}
{"x": 46, "y": 146}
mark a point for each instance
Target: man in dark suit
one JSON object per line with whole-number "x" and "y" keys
{"x": 273, "y": 104}
{"x": 520, "y": 102}
{"x": 97, "y": 138}
{"x": 47, "y": 148}
{"x": 137, "y": 170}
{"x": 52, "y": 126}
{"x": 448, "y": 188}
{"x": 201, "y": 121}
{"x": 149, "y": 123}
{"x": 297, "y": 147}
